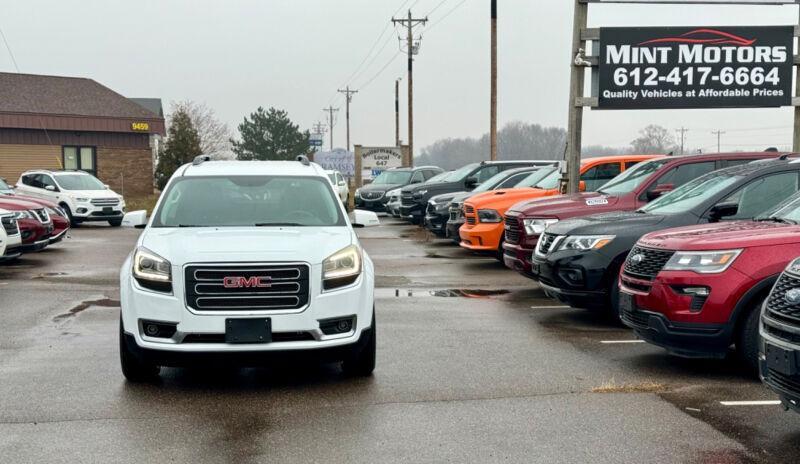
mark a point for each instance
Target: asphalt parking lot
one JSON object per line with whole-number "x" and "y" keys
{"x": 474, "y": 365}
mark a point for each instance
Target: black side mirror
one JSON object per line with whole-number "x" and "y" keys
{"x": 723, "y": 210}
{"x": 471, "y": 182}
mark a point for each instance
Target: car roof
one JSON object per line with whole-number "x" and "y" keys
{"x": 55, "y": 172}
{"x": 612, "y": 158}
{"x": 251, "y": 168}
{"x": 766, "y": 155}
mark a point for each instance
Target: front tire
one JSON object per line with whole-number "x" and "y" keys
{"x": 613, "y": 293}
{"x": 72, "y": 221}
{"x": 132, "y": 368}
{"x": 362, "y": 364}
{"x": 748, "y": 336}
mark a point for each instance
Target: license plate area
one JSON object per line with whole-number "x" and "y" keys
{"x": 108, "y": 210}
{"x": 780, "y": 360}
{"x": 258, "y": 330}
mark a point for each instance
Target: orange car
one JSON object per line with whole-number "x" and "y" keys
{"x": 483, "y": 229}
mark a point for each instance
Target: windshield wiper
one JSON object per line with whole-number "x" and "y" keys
{"x": 776, "y": 219}
{"x": 190, "y": 225}
{"x": 279, "y": 224}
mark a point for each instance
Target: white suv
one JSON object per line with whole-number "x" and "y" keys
{"x": 10, "y": 236}
{"x": 246, "y": 262}
{"x": 82, "y": 196}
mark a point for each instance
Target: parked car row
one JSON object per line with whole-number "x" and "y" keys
{"x": 40, "y": 210}
{"x": 697, "y": 254}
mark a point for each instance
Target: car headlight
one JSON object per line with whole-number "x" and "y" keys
{"x": 537, "y": 226}
{"x": 341, "y": 268}
{"x": 702, "y": 262}
{"x": 489, "y": 215}
{"x": 420, "y": 193}
{"x": 22, "y": 215}
{"x": 585, "y": 242}
{"x": 794, "y": 267}
{"x": 152, "y": 271}
{"x": 54, "y": 211}
{"x": 82, "y": 200}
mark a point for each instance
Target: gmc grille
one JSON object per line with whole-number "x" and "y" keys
{"x": 512, "y": 229}
{"x": 778, "y": 307}
{"x": 105, "y": 201}
{"x": 10, "y": 225}
{"x": 650, "y": 264}
{"x": 287, "y": 287}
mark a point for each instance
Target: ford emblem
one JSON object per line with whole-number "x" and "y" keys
{"x": 637, "y": 259}
{"x": 792, "y": 296}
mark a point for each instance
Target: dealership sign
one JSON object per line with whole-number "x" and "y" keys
{"x": 695, "y": 67}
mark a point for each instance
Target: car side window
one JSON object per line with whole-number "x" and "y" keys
{"x": 36, "y": 181}
{"x": 28, "y": 179}
{"x": 630, "y": 164}
{"x": 683, "y": 174}
{"x": 761, "y": 195}
{"x": 46, "y": 180}
{"x": 486, "y": 172}
{"x": 595, "y": 177}
{"x": 513, "y": 180}
{"x": 417, "y": 177}
{"x": 428, "y": 173}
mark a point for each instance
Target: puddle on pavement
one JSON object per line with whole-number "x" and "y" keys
{"x": 103, "y": 303}
{"x": 48, "y": 274}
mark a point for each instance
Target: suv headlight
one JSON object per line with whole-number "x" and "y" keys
{"x": 82, "y": 200}
{"x": 794, "y": 267}
{"x": 702, "y": 262}
{"x": 489, "y": 215}
{"x": 152, "y": 271}
{"x": 23, "y": 215}
{"x": 585, "y": 242}
{"x": 537, "y": 226}
{"x": 341, "y": 268}
{"x": 420, "y": 193}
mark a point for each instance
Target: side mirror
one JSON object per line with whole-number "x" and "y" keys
{"x": 363, "y": 218}
{"x": 50, "y": 188}
{"x": 106, "y": 186}
{"x": 659, "y": 190}
{"x": 582, "y": 186}
{"x": 471, "y": 182}
{"x": 137, "y": 219}
{"x": 723, "y": 210}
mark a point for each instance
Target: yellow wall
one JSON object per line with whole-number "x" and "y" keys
{"x": 15, "y": 159}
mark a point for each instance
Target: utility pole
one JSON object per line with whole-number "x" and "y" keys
{"x": 397, "y": 112}
{"x": 330, "y": 110}
{"x": 682, "y": 131}
{"x": 493, "y": 98}
{"x": 719, "y": 134}
{"x": 411, "y": 50}
{"x": 575, "y": 112}
{"x": 348, "y": 97}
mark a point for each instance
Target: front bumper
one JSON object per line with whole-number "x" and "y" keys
{"x": 786, "y": 383}
{"x": 11, "y": 253}
{"x": 58, "y": 236}
{"x": 452, "y": 227}
{"x": 518, "y": 258}
{"x": 481, "y": 236}
{"x": 377, "y": 205}
{"x": 414, "y": 211}
{"x": 577, "y": 278}
{"x": 87, "y": 212}
{"x": 436, "y": 221}
{"x": 35, "y": 246}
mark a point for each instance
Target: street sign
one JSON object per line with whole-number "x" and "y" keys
{"x": 315, "y": 143}
{"x": 695, "y": 67}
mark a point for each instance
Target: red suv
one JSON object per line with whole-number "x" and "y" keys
{"x": 698, "y": 290}
{"x": 34, "y": 222}
{"x": 57, "y": 215}
{"x": 635, "y": 187}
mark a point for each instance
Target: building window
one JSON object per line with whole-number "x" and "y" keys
{"x": 80, "y": 158}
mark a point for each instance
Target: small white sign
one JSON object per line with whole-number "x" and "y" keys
{"x": 597, "y": 201}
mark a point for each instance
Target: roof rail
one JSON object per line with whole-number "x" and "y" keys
{"x": 200, "y": 159}
{"x": 303, "y": 159}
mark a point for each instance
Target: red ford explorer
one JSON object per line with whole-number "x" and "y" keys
{"x": 698, "y": 290}
{"x": 635, "y": 187}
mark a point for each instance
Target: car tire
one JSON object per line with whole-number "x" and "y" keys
{"x": 115, "y": 222}
{"x": 613, "y": 293}
{"x": 72, "y": 221}
{"x": 133, "y": 369}
{"x": 362, "y": 363}
{"x": 748, "y": 336}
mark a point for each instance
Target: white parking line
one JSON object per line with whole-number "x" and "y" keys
{"x": 549, "y": 307}
{"x": 750, "y": 403}
{"x": 619, "y": 342}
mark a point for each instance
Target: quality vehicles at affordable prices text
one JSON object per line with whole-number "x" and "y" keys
{"x": 414, "y": 198}
{"x": 484, "y": 213}
{"x": 632, "y": 189}
{"x": 81, "y": 196}
{"x": 578, "y": 260}
{"x": 697, "y": 290}
{"x": 373, "y": 196}
{"x": 247, "y": 262}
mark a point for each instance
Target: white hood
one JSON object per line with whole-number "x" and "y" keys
{"x": 242, "y": 244}
{"x": 91, "y": 194}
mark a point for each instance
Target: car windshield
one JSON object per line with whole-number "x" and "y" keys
{"x": 787, "y": 211}
{"x": 79, "y": 182}
{"x": 690, "y": 195}
{"x": 492, "y": 182}
{"x": 461, "y": 173}
{"x": 4, "y": 187}
{"x": 550, "y": 181}
{"x": 537, "y": 177}
{"x": 441, "y": 177}
{"x": 332, "y": 177}
{"x": 632, "y": 178}
{"x": 248, "y": 201}
{"x": 392, "y": 177}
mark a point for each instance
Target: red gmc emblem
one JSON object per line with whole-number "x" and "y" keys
{"x": 246, "y": 282}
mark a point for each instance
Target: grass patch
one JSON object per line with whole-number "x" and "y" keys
{"x": 642, "y": 387}
{"x": 146, "y": 203}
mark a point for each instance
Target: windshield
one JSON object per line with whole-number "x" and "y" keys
{"x": 537, "y": 177}
{"x": 632, "y": 178}
{"x": 4, "y": 187}
{"x": 492, "y": 182}
{"x": 332, "y": 177}
{"x": 461, "y": 173}
{"x": 248, "y": 201}
{"x": 788, "y": 210}
{"x": 550, "y": 181}
{"x": 690, "y": 195}
{"x": 441, "y": 177}
{"x": 79, "y": 182}
{"x": 392, "y": 177}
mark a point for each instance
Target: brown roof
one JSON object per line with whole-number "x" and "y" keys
{"x": 32, "y": 93}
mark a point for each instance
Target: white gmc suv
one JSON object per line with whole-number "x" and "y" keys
{"x": 246, "y": 262}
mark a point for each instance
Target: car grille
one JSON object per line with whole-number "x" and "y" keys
{"x": 371, "y": 195}
{"x": 470, "y": 220}
{"x": 778, "y": 307}
{"x": 42, "y": 215}
{"x": 546, "y": 243}
{"x": 512, "y": 229}
{"x": 650, "y": 265}
{"x": 105, "y": 201}
{"x": 407, "y": 199}
{"x": 10, "y": 225}
{"x": 431, "y": 209}
{"x": 456, "y": 212}
{"x": 784, "y": 382}
{"x": 469, "y": 209}
{"x": 287, "y": 287}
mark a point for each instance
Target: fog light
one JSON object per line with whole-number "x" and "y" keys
{"x": 158, "y": 329}
{"x": 151, "y": 329}
{"x": 338, "y": 325}
{"x": 81, "y": 210}
{"x": 694, "y": 291}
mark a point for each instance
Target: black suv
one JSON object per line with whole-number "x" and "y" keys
{"x": 373, "y": 196}
{"x": 578, "y": 260}
{"x": 414, "y": 198}
{"x": 779, "y": 358}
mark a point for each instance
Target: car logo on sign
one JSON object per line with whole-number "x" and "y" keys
{"x": 246, "y": 282}
{"x": 792, "y": 296}
{"x": 637, "y": 259}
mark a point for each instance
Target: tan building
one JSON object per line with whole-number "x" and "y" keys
{"x": 52, "y": 122}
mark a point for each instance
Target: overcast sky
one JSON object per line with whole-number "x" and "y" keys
{"x": 235, "y": 55}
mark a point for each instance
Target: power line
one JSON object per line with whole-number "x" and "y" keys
{"x": 436, "y": 7}
{"x": 383, "y": 68}
{"x": 445, "y": 15}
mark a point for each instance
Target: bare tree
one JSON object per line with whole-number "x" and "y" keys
{"x": 653, "y": 139}
{"x": 214, "y": 134}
